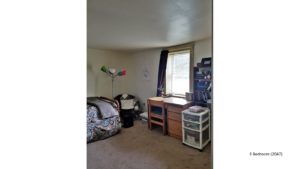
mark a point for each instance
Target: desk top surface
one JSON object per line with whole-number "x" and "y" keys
{"x": 171, "y": 100}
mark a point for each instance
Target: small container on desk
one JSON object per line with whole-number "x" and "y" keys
{"x": 196, "y": 128}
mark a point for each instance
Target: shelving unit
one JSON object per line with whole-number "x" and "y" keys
{"x": 196, "y": 128}
{"x": 202, "y": 86}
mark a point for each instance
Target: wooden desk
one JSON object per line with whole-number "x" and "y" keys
{"x": 174, "y": 107}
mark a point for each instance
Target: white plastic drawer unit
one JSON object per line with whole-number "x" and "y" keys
{"x": 196, "y": 128}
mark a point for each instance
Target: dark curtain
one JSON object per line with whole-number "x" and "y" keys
{"x": 162, "y": 71}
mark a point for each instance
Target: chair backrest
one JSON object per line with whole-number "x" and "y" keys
{"x": 157, "y": 108}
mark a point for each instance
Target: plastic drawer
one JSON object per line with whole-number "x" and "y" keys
{"x": 205, "y": 135}
{"x": 195, "y": 118}
{"x": 191, "y": 125}
{"x": 192, "y": 137}
{"x": 191, "y": 118}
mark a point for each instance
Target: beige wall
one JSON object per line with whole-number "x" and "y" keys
{"x": 99, "y": 84}
{"x": 150, "y": 58}
{"x": 91, "y": 81}
{"x": 142, "y": 87}
{"x": 202, "y": 49}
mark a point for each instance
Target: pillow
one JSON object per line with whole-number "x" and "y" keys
{"x": 127, "y": 104}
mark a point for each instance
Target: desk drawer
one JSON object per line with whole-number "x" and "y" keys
{"x": 174, "y": 108}
{"x": 174, "y": 127}
{"x": 174, "y": 116}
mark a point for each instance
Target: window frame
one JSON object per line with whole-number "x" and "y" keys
{"x": 180, "y": 48}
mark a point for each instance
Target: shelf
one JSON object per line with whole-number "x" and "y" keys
{"x": 201, "y": 102}
{"x": 157, "y": 122}
{"x": 203, "y": 68}
{"x": 156, "y": 116}
{"x": 206, "y": 80}
{"x": 198, "y": 90}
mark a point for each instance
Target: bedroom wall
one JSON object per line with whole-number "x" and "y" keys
{"x": 202, "y": 49}
{"x": 142, "y": 87}
{"x": 91, "y": 81}
{"x": 98, "y": 83}
{"x": 145, "y": 88}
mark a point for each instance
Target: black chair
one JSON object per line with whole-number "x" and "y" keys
{"x": 127, "y": 104}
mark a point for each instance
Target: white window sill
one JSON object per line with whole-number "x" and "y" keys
{"x": 176, "y": 95}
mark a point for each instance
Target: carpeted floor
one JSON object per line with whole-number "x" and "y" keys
{"x": 140, "y": 148}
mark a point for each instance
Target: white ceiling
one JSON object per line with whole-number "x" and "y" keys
{"x": 140, "y": 24}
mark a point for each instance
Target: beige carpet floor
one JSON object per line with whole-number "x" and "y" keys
{"x": 140, "y": 148}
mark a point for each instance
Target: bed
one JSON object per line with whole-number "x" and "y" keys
{"x": 103, "y": 118}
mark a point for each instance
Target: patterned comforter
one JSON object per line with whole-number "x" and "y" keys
{"x": 103, "y": 119}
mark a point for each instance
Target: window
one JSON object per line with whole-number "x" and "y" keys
{"x": 178, "y": 72}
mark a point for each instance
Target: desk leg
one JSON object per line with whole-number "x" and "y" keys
{"x": 164, "y": 121}
{"x": 148, "y": 110}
